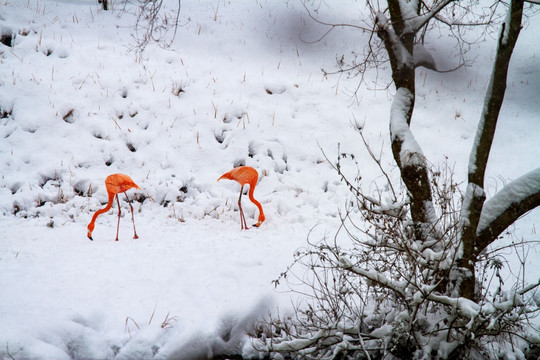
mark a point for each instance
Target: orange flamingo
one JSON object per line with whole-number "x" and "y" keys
{"x": 245, "y": 175}
{"x": 115, "y": 184}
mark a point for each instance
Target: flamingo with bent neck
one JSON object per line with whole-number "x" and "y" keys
{"x": 115, "y": 184}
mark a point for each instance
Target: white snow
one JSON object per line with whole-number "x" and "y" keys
{"x": 422, "y": 57}
{"x": 77, "y": 104}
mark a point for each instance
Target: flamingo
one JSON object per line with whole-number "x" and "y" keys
{"x": 115, "y": 184}
{"x": 245, "y": 175}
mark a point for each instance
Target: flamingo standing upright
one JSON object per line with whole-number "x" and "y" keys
{"x": 115, "y": 184}
{"x": 245, "y": 175}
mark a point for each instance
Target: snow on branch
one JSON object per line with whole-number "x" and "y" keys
{"x": 393, "y": 43}
{"x": 410, "y": 159}
{"x": 307, "y": 344}
{"x": 417, "y": 22}
{"x": 422, "y": 57}
{"x": 397, "y": 287}
{"x": 476, "y": 313}
{"x": 511, "y": 202}
{"x": 464, "y": 306}
{"x": 411, "y": 153}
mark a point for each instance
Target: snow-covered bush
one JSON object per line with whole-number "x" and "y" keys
{"x": 375, "y": 289}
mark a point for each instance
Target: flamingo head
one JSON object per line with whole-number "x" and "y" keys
{"x": 260, "y": 221}
{"x": 226, "y": 176}
{"x": 90, "y": 229}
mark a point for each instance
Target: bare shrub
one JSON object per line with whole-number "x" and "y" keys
{"x": 376, "y": 290}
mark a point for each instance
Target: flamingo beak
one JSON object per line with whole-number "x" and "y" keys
{"x": 90, "y": 236}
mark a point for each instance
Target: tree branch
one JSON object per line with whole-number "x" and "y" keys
{"x": 417, "y": 23}
{"x": 508, "y": 205}
{"x": 379, "y": 278}
{"x": 474, "y": 198}
{"x": 400, "y": 52}
{"x": 495, "y": 94}
{"x": 411, "y": 161}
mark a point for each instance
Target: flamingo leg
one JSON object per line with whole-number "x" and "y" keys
{"x": 243, "y": 219}
{"x": 132, "y": 218}
{"x": 119, "y": 212}
{"x": 243, "y": 223}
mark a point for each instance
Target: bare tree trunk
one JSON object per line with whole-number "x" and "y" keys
{"x": 399, "y": 44}
{"x": 475, "y": 195}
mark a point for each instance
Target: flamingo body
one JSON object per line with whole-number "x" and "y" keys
{"x": 115, "y": 184}
{"x": 245, "y": 175}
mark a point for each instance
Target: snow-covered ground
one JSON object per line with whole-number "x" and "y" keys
{"x": 241, "y": 84}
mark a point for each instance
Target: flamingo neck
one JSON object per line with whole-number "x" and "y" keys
{"x": 101, "y": 211}
{"x": 258, "y": 204}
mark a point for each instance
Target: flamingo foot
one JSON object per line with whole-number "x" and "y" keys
{"x": 135, "y": 236}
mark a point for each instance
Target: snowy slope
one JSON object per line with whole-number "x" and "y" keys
{"x": 241, "y": 84}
